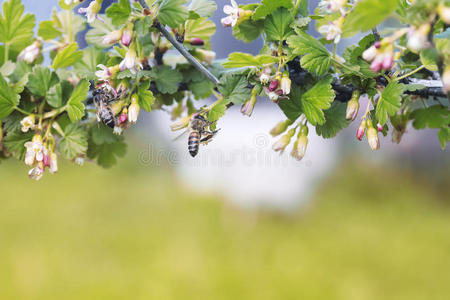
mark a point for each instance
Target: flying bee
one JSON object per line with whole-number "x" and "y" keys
{"x": 102, "y": 99}
{"x": 198, "y": 133}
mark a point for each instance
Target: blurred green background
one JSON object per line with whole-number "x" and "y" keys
{"x": 134, "y": 232}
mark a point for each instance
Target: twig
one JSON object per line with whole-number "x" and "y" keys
{"x": 376, "y": 35}
{"x": 183, "y": 50}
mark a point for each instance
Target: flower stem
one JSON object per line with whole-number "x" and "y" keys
{"x": 21, "y": 110}
{"x": 410, "y": 73}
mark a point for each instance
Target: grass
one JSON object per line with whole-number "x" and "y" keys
{"x": 135, "y": 233}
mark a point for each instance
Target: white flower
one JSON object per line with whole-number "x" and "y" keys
{"x": 273, "y": 96}
{"x": 28, "y": 123}
{"x": 233, "y": 14}
{"x": 331, "y": 6}
{"x": 418, "y": 38}
{"x": 37, "y": 172}
{"x": 104, "y": 74}
{"x": 79, "y": 161}
{"x": 130, "y": 62}
{"x": 285, "y": 84}
{"x": 112, "y": 37}
{"x": 53, "y": 163}
{"x": 446, "y": 80}
{"x": 91, "y": 11}
{"x": 30, "y": 53}
{"x": 117, "y": 130}
{"x": 133, "y": 110}
{"x": 264, "y": 78}
{"x": 332, "y": 31}
{"x": 205, "y": 55}
{"x": 35, "y": 150}
{"x": 69, "y": 2}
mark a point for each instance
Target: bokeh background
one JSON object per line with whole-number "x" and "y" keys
{"x": 238, "y": 222}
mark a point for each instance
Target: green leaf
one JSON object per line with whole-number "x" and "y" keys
{"x": 167, "y": 79}
{"x": 234, "y": 88}
{"x": 8, "y": 99}
{"x": 277, "y": 25}
{"x": 16, "y": 29}
{"x": 15, "y": 141}
{"x": 199, "y": 28}
{"x": 389, "y": 102}
{"x": 444, "y": 136}
{"x": 317, "y": 99}
{"x": 101, "y": 134}
{"x": 47, "y": 30}
{"x": 269, "y": 6}
{"x": 248, "y": 30}
{"x": 74, "y": 141}
{"x": 367, "y": 14}
{"x": 119, "y": 12}
{"x": 59, "y": 94}
{"x": 435, "y": 116}
{"x": 172, "y": 12}
{"x": 429, "y": 58}
{"x": 67, "y": 57}
{"x": 334, "y": 120}
{"x": 145, "y": 96}
{"x": 201, "y": 89}
{"x": 105, "y": 146}
{"x": 87, "y": 66}
{"x": 203, "y": 8}
{"x": 292, "y": 107}
{"x": 239, "y": 59}
{"x": 316, "y": 58}
{"x": 40, "y": 81}
{"x": 218, "y": 110}
{"x": 75, "y": 107}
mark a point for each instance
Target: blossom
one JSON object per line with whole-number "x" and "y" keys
{"x": 70, "y": 2}
{"x": 285, "y": 84}
{"x": 372, "y": 138}
{"x": 248, "y": 106}
{"x": 104, "y": 74}
{"x": 331, "y": 6}
{"x": 117, "y": 130}
{"x": 133, "y": 109}
{"x": 79, "y": 160}
{"x": 205, "y": 55}
{"x": 53, "y": 163}
{"x": 233, "y": 14}
{"x": 30, "y": 53}
{"x": 127, "y": 36}
{"x": 332, "y": 30}
{"x": 273, "y": 86}
{"x": 37, "y": 172}
{"x": 130, "y": 62}
{"x": 112, "y": 37}
{"x": 444, "y": 12}
{"x": 91, "y": 11}
{"x": 123, "y": 116}
{"x": 265, "y": 75}
{"x": 381, "y": 56}
{"x": 418, "y": 37}
{"x": 35, "y": 150}
{"x": 361, "y": 130}
{"x": 353, "y": 106}
{"x": 300, "y": 145}
{"x": 28, "y": 123}
{"x": 273, "y": 96}
{"x": 284, "y": 141}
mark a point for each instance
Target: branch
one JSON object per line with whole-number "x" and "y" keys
{"x": 183, "y": 50}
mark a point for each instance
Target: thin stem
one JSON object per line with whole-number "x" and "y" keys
{"x": 21, "y": 110}
{"x": 410, "y": 73}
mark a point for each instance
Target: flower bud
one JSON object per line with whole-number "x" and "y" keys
{"x": 280, "y": 127}
{"x": 46, "y": 160}
{"x": 377, "y": 63}
{"x": 300, "y": 145}
{"x": 285, "y": 83}
{"x": 205, "y": 55}
{"x": 446, "y": 80}
{"x": 181, "y": 123}
{"x": 380, "y": 127}
{"x": 418, "y": 37}
{"x": 247, "y": 107}
{"x": 273, "y": 85}
{"x": 197, "y": 42}
{"x": 123, "y": 116}
{"x": 372, "y": 138}
{"x": 79, "y": 160}
{"x": 361, "y": 130}
{"x": 112, "y": 37}
{"x": 37, "y": 172}
{"x": 28, "y": 123}
{"x": 444, "y": 12}
{"x": 353, "y": 106}
{"x": 91, "y": 11}
{"x": 388, "y": 60}
{"x": 117, "y": 130}
{"x": 30, "y": 53}
{"x": 53, "y": 163}
{"x": 127, "y": 36}
{"x": 370, "y": 53}
{"x": 284, "y": 141}
{"x": 133, "y": 109}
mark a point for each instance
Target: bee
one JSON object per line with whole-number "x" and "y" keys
{"x": 102, "y": 98}
{"x": 198, "y": 133}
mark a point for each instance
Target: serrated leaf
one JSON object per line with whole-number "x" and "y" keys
{"x": 444, "y": 136}
{"x": 199, "y": 28}
{"x": 16, "y": 28}
{"x": 75, "y": 107}
{"x": 218, "y": 110}
{"x": 119, "y": 12}
{"x": 389, "y": 102}
{"x": 316, "y": 58}
{"x": 317, "y": 99}
{"x": 59, "y": 94}
{"x": 47, "y": 30}
{"x": 248, "y": 30}
{"x": 145, "y": 96}
{"x": 8, "y": 99}
{"x": 435, "y": 116}
{"x": 269, "y": 6}
{"x": 429, "y": 58}
{"x": 87, "y": 66}
{"x": 74, "y": 141}
{"x": 15, "y": 141}
{"x": 201, "y": 89}
{"x": 292, "y": 107}
{"x": 172, "y": 12}
{"x": 106, "y": 153}
{"x": 203, "y": 8}
{"x": 334, "y": 120}
{"x": 239, "y": 59}
{"x": 367, "y": 14}
{"x": 67, "y": 57}
{"x": 234, "y": 88}
{"x": 277, "y": 25}
{"x": 102, "y": 134}
{"x": 40, "y": 80}
{"x": 167, "y": 79}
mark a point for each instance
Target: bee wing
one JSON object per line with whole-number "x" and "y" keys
{"x": 180, "y": 136}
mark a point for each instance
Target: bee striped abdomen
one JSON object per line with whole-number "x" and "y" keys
{"x": 193, "y": 143}
{"x": 107, "y": 117}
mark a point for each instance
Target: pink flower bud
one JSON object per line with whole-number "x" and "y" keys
{"x": 127, "y": 36}
{"x": 380, "y": 127}
{"x": 123, "y": 118}
{"x": 353, "y": 106}
{"x": 361, "y": 130}
{"x": 377, "y": 45}
{"x": 377, "y": 63}
{"x": 273, "y": 85}
{"x": 388, "y": 61}
{"x": 46, "y": 160}
{"x": 197, "y": 42}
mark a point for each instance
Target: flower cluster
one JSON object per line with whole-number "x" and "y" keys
{"x": 381, "y": 56}
{"x": 39, "y": 155}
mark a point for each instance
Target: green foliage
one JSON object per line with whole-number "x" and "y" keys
{"x": 40, "y": 81}
{"x": 105, "y": 147}
{"x": 248, "y": 30}
{"x": 292, "y": 108}
{"x": 234, "y": 88}
{"x": 119, "y": 12}
{"x": 334, "y": 120}
{"x": 67, "y": 57}
{"x": 199, "y": 28}
{"x": 15, "y": 141}
{"x": 167, "y": 79}
{"x": 47, "y": 30}
{"x": 317, "y": 99}
{"x": 8, "y": 99}
{"x": 74, "y": 142}
{"x": 16, "y": 28}
{"x": 316, "y": 57}
{"x": 75, "y": 106}
{"x": 277, "y": 25}
{"x": 269, "y": 6}
{"x": 203, "y": 8}
{"x": 435, "y": 116}
{"x": 145, "y": 97}
{"x": 389, "y": 102}
{"x": 239, "y": 59}
{"x": 172, "y": 12}
{"x": 59, "y": 94}
{"x": 218, "y": 110}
